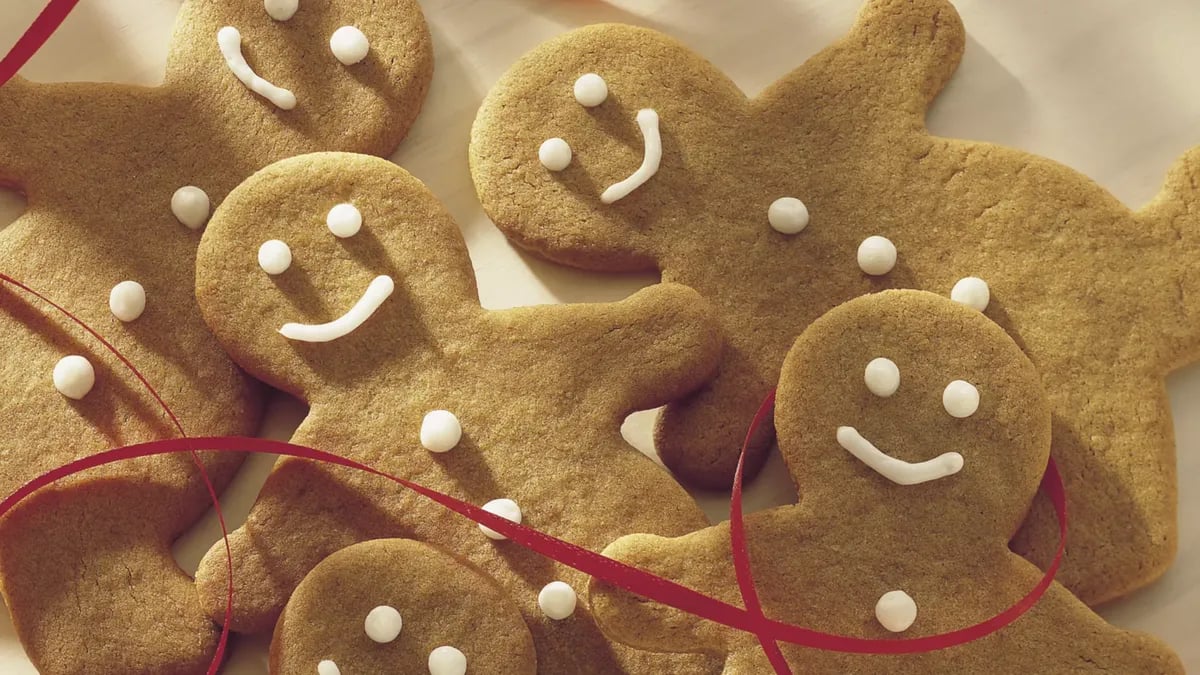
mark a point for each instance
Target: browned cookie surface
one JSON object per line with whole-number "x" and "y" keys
{"x": 87, "y": 568}
{"x": 913, "y": 473}
{"x": 1100, "y": 297}
{"x": 449, "y": 615}
{"x": 526, "y": 403}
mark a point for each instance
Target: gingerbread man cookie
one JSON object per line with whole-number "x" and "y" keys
{"x": 916, "y": 431}
{"x": 341, "y": 279}
{"x": 616, "y": 148}
{"x": 119, "y": 181}
{"x": 400, "y": 606}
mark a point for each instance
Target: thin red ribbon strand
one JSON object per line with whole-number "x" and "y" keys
{"x": 752, "y": 619}
{"x": 34, "y": 37}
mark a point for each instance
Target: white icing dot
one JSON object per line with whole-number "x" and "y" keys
{"x": 127, "y": 300}
{"x": 591, "y": 90}
{"x": 383, "y": 624}
{"x": 440, "y": 431}
{"x": 896, "y": 611}
{"x": 447, "y": 660}
{"x": 349, "y": 45}
{"x": 344, "y": 220}
{"x": 328, "y": 667}
{"x": 274, "y": 257}
{"x": 282, "y": 10}
{"x": 191, "y": 206}
{"x": 876, "y": 255}
{"x": 882, "y": 377}
{"x": 788, "y": 215}
{"x": 74, "y": 376}
{"x": 972, "y": 292}
{"x": 506, "y": 509}
{"x": 961, "y": 399}
{"x": 554, "y": 154}
{"x": 557, "y": 600}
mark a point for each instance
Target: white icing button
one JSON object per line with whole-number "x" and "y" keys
{"x": 344, "y": 220}
{"x": 327, "y": 667}
{"x": 447, "y": 660}
{"x": 896, "y": 611}
{"x": 191, "y": 206}
{"x": 282, "y": 10}
{"x": 349, "y": 45}
{"x": 591, "y": 90}
{"x": 876, "y": 255}
{"x": 127, "y": 300}
{"x": 440, "y": 431}
{"x": 882, "y": 377}
{"x": 74, "y": 376}
{"x": 555, "y": 154}
{"x": 788, "y": 215}
{"x": 383, "y": 624}
{"x": 972, "y": 292}
{"x": 557, "y": 600}
{"x": 506, "y": 509}
{"x": 274, "y": 257}
{"x": 961, "y": 399}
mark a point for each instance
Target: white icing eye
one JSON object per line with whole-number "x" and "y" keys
{"x": 274, "y": 257}
{"x": 328, "y": 667}
{"x": 383, "y": 624}
{"x": 554, "y": 154}
{"x": 896, "y": 611}
{"x": 506, "y": 509}
{"x": 972, "y": 292}
{"x": 74, "y": 376}
{"x": 349, "y": 45}
{"x": 788, "y": 215}
{"x": 344, "y": 221}
{"x": 447, "y": 660}
{"x": 191, "y": 206}
{"x": 591, "y": 90}
{"x": 440, "y": 431}
{"x": 876, "y": 255}
{"x": 557, "y": 600}
{"x": 282, "y": 10}
{"x": 127, "y": 300}
{"x": 960, "y": 399}
{"x": 882, "y": 377}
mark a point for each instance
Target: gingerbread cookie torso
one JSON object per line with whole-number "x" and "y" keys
{"x": 119, "y": 181}
{"x": 616, "y": 148}
{"x": 400, "y": 606}
{"x": 341, "y": 279}
{"x": 917, "y": 432}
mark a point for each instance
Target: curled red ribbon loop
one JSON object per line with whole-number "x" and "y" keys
{"x": 34, "y": 37}
{"x": 751, "y": 619}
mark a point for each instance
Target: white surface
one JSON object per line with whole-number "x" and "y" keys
{"x": 1106, "y": 86}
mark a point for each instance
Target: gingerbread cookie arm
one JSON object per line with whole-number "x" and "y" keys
{"x": 16, "y": 112}
{"x": 653, "y": 347}
{"x": 699, "y": 560}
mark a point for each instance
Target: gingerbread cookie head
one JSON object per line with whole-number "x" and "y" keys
{"x": 399, "y": 606}
{"x": 120, "y": 182}
{"x": 340, "y": 278}
{"x": 926, "y": 394}
{"x": 615, "y": 147}
{"x": 904, "y": 513}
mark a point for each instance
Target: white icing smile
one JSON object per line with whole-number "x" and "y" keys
{"x": 897, "y": 470}
{"x": 229, "y": 39}
{"x": 647, "y": 121}
{"x": 378, "y": 290}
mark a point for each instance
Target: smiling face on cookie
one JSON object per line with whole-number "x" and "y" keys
{"x": 907, "y": 397}
{"x": 330, "y": 267}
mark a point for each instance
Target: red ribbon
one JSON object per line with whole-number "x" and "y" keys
{"x": 751, "y": 619}
{"x": 35, "y": 36}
